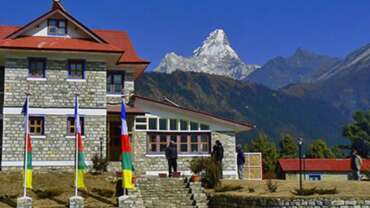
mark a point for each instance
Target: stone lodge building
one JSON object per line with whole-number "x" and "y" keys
{"x": 55, "y": 56}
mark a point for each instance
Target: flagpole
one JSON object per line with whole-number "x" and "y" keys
{"x": 76, "y": 150}
{"x": 25, "y": 148}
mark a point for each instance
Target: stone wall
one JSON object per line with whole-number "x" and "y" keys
{"x": 229, "y": 201}
{"x": 144, "y": 162}
{"x": 56, "y": 145}
{"x": 56, "y": 90}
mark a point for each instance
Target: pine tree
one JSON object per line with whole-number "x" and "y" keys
{"x": 319, "y": 149}
{"x": 288, "y": 147}
{"x": 269, "y": 152}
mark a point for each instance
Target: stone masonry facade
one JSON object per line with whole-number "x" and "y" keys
{"x": 144, "y": 162}
{"x": 55, "y": 92}
{"x": 228, "y": 201}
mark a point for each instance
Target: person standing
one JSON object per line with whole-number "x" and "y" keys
{"x": 171, "y": 156}
{"x": 240, "y": 161}
{"x": 356, "y": 163}
{"x": 218, "y": 155}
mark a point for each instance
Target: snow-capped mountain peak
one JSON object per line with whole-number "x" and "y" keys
{"x": 215, "y": 56}
{"x": 217, "y": 44}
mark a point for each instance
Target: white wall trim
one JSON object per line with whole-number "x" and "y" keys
{"x": 114, "y": 95}
{"x": 56, "y": 111}
{"x": 40, "y": 163}
{"x": 75, "y": 80}
{"x": 36, "y": 78}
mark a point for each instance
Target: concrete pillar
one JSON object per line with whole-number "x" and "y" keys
{"x": 122, "y": 201}
{"x": 76, "y": 202}
{"x": 24, "y": 202}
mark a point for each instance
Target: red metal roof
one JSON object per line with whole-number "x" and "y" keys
{"x": 118, "y": 42}
{"x": 321, "y": 165}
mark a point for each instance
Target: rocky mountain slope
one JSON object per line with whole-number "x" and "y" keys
{"x": 215, "y": 56}
{"x": 346, "y": 85}
{"x": 271, "y": 111}
{"x": 301, "y": 67}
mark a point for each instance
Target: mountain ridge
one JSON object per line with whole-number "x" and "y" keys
{"x": 214, "y": 56}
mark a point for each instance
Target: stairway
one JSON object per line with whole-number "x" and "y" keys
{"x": 170, "y": 193}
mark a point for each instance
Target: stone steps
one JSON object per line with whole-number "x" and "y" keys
{"x": 166, "y": 193}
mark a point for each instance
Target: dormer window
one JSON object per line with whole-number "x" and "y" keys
{"x": 57, "y": 27}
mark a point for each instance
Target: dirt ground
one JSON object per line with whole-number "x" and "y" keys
{"x": 53, "y": 189}
{"x": 346, "y": 189}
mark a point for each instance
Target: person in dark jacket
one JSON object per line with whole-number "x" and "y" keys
{"x": 218, "y": 155}
{"x": 240, "y": 161}
{"x": 356, "y": 163}
{"x": 171, "y": 156}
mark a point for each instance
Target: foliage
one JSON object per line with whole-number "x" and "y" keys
{"x": 269, "y": 152}
{"x": 99, "y": 164}
{"x": 314, "y": 190}
{"x": 271, "y": 186}
{"x": 338, "y": 152}
{"x": 326, "y": 191}
{"x": 212, "y": 175}
{"x": 196, "y": 165}
{"x": 304, "y": 191}
{"x": 227, "y": 188}
{"x": 319, "y": 149}
{"x": 288, "y": 147}
{"x": 359, "y": 132}
{"x": 251, "y": 190}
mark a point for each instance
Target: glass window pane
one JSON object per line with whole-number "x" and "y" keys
{"x": 153, "y": 148}
{"x": 173, "y": 124}
{"x": 203, "y": 138}
{"x": 153, "y": 139}
{"x": 204, "y": 127}
{"x": 62, "y": 23}
{"x": 117, "y": 79}
{"x": 194, "y": 148}
{"x": 183, "y": 125}
{"x": 52, "y": 22}
{"x": 162, "y": 147}
{"x": 174, "y": 138}
{"x": 162, "y": 124}
{"x": 194, "y": 138}
{"x": 184, "y": 147}
{"x": 194, "y": 126}
{"x": 163, "y": 139}
{"x": 184, "y": 138}
{"x": 141, "y": 119}
{"x": 153, "y": 123}
{"x": 140, "y": 127}
{"x": 109, "y": 78}
{"x": 205, "y": 148}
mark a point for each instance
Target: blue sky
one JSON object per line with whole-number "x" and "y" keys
{"x": 258, "y": 30}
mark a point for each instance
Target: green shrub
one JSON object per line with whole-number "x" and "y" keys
{"x": 271, "y": 186}
{"x": 103, "y": 192}
{"x": 99, "y": 164}
{"x": 327, "y": 191}
{"x": 227, "y": 188}
{"x": 48, "y": 193}
{"x": 305, "y": 191}
{"x": 196, "y": 165}
{"x": 212, "y": 174}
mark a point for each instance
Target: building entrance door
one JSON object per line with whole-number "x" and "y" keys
{"x": 115, "y": 141}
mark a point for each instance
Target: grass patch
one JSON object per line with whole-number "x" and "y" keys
{"x": 327, "y": 191}
{"x": 47, "y": 193}
{"x": 227, "y": 188}
{"x": 305, "y": 191}
{"x": 271, "y": 186}
{"x": 103, "y": 192}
